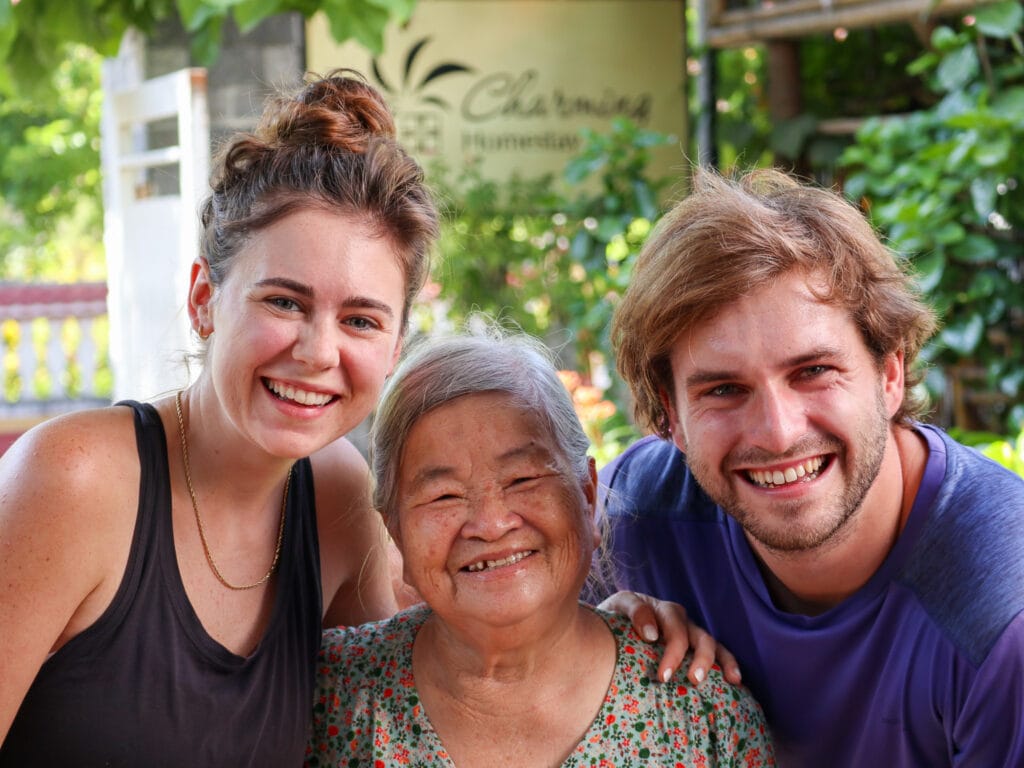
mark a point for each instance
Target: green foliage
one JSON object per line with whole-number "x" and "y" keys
{"x": 51, "y": 215}
{"x": 1008, "y": 452}
{"x": 847, "y": 74}
{"x": 556, "y": 263}
{"x": 34, "y": 33}
{"x": 552, "y": 262}
{"x": 943, "y": 184}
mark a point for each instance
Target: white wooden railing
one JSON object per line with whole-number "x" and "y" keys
{"x": 53, "y": 352}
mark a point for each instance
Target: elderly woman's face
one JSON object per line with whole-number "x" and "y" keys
{"x": 492, "y": 525}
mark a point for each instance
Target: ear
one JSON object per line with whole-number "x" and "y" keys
{"x": 590, "y": 493}
{"x": 674, "y": 427}
{"x": 200, "y": 297}
{"x": 893, "y": 381}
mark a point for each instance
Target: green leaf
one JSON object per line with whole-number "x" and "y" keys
{"x": 928, "y": 270}
{"x": 975, "y": 249}
{"x": 964, "y": 334}
{"x": 1000, "y": 20}
{"x": 1011, "y": 385}
{"x": 958, "y": 68}
{"x": 944, "y": 38}
{"x": 983, "y": 197}
{"x": 8, "y": 29}
{"x": 948, "y": 233}
{"x": 357, "y": 20}
{"x": 197, "y": 14}
{"x": 249, "y": 13}
{"x": 993, "y": 152}
{"x": 399, "y": 10}
{"x": 608, "y": 227}
{"x": 206, "y": 40}
{"x": 982, "y": 286}
{"x": 1009, "y": 105}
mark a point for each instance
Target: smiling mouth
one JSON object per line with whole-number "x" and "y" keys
{"x": 488, "y": 565}
{"x": 803, "y": 472}
{"x": 292, "y": 394}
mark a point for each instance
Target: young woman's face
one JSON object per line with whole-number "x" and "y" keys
{"x": 305, "y": 328}
{"x": 494, "y": 529}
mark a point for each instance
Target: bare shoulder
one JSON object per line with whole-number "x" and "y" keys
{"x": 70, "y": 488}
{"x": 343, "y": 509}
{"x": 67, "y": 514}
{"x": 341, "y": 474}
{"x": 354, "y": 546}
{"x": 76, "y": 457}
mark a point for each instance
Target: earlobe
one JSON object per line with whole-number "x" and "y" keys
{"x": 672, "y": 420}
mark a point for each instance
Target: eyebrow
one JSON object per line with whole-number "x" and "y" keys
{"x": 283, "y": 282}
{"x": 441, "y": 471}
{"x": 364, "y": 302}
{"x": 700, "y": 378}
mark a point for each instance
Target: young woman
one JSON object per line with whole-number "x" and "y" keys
{"x": 168, "y": 567}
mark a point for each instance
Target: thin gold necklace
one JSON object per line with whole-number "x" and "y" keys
{"x": 199, "y": 519}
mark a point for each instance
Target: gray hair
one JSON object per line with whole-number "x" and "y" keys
{"x": 438, "y": 370}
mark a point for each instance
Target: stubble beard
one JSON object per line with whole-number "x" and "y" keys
{"x": 771, "y": 530}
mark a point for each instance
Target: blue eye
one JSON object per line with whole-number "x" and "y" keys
{"x": 283, "y": 302}
{"x": 723, "y": 390}
{"x": 363, "y": 323}
{"x": 813, "y": 371}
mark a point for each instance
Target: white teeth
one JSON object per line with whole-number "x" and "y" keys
{"x": 485, "y": 565}
{"x": 772, "y": 479}
{"x": 300, "y": 396}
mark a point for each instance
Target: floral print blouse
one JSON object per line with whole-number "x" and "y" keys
{"x": 367, "y": 712}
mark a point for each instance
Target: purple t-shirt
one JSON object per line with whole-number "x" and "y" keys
{"x": 923, "y": 666}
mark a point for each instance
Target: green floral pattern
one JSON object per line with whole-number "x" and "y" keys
{"x": 367, "y": 711}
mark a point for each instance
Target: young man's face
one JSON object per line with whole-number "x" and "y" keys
{"x": 783, "y": 413}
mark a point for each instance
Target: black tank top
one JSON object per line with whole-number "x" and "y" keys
{"x": 147, "y": 686}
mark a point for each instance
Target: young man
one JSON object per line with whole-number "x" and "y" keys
{"x": 866, "y": 570}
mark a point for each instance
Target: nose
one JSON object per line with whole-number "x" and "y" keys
{"x": 778, "y": 419}
{"x": 317, "y": 345}
{"x": 490, "y": 516}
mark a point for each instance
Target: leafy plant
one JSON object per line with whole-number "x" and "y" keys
{"x": 51, "y": 215}
{"x": 33, "y": 33}
{"x": 943, "y": 184}
{"x": 555, "y": 263}
{"x": 1008, "y": 452}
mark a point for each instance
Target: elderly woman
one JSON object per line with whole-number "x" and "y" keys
{"x": 484, "y": 482}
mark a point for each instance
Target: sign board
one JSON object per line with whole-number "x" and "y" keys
{"x": 510, "y": 83}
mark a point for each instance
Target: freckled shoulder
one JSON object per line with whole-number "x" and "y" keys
{"x": 68, "y": 504}
{"x": 84, "y": 464}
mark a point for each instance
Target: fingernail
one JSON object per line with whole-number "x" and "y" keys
{"x": 735, "y": 672}
{"x": 699, "y": 674}
{"x": 666, "y": 675}
{"x": 650, "y": 633}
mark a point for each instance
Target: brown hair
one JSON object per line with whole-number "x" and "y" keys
{"x": 732, "y": 236}
{"x": 330, "y": 145}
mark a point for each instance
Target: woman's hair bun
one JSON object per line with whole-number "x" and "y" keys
{"x": 339, "y": 111}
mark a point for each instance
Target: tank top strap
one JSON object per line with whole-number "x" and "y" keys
{"x": 152, "y": 518}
